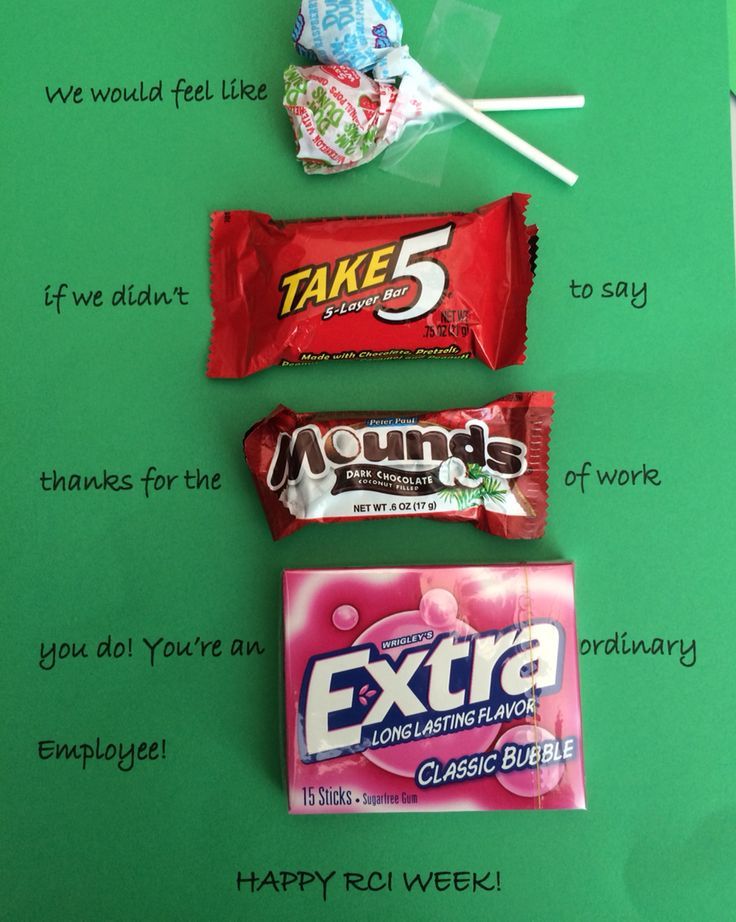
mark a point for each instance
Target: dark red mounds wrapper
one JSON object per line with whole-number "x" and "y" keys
{"x": 451, "y": 285}
{"x": 487, "y": 466}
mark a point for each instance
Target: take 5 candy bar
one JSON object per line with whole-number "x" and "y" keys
{"x": 432, "y": 688}
{"x": 450, "y": 285}
{"x": 486, "y": 465}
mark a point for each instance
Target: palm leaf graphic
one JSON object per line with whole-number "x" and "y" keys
{"x": 488, "y": 490}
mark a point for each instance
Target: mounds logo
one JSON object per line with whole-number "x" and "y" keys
{"x": 403, "y": 260}
{"x": 345, "y": 75}
{"x": 307, "y": 452}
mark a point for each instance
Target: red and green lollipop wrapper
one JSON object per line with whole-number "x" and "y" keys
{"x": 485, "y": 465}
{"x": 342, "y": 118}
{"x": 451, "y": 285}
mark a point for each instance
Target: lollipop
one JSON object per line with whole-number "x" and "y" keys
{"x": 354, "y": 32}
{"x": 366, "y": 35}
{"x": 342, "y": 118}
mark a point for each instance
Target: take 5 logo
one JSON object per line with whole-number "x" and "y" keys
{"x": 407, "y": 260}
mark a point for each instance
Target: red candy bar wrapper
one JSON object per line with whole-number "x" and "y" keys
{"x": 451, "y": 285}
{"x": 487, "y": 466}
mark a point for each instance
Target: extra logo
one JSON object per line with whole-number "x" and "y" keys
{"x": 430, "y": 690}
{"x": 400, "y": 266}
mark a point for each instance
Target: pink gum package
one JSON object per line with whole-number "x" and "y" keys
{"x": 432, "y": 688}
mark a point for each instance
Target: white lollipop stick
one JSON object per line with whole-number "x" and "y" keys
{"x": 527, "y": 103}
{"x": 451, "y": 100}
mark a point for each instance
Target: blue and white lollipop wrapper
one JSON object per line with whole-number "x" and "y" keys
{"x": 357, "y": 33}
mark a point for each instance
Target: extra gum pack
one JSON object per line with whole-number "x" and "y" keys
{"x": 432, "y": 688}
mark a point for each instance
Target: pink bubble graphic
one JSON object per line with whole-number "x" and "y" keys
{"x": 438, "y": 609}
{"x": 493, "y": 601}
{"x": 345, "y": 617}
{"x": 530, "y": 782}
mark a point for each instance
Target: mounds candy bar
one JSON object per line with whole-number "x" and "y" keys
{"x": 298, "y": 292}
{"x": 432, "y": 688}
{"x": 487, "y": 466}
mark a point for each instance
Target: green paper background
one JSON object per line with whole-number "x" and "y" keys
{"x": 97, "y": 196}
{"x": 732, "y": 40}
